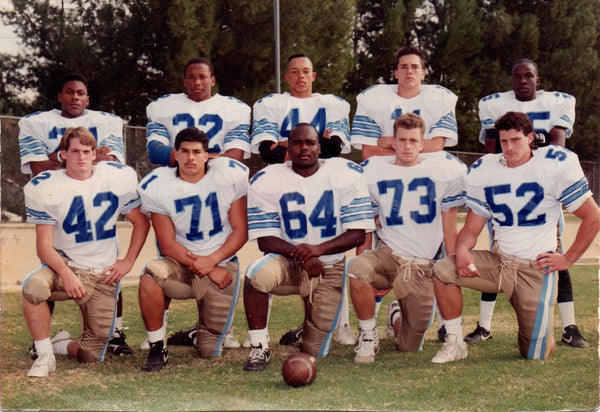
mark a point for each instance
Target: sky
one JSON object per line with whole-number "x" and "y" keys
{"x": 9, "y": 42}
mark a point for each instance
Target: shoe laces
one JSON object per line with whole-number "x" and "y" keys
{"x": 257, "y": 353}
{"x": 366, "y": 341}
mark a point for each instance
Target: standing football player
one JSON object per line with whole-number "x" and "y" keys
{"x": 75, "y": 211}
{"x": 224, "y": 119}
{"x": 522, "y": 191}
{"x": 304, "y": 213}
{"x": 274, "y": 117}
{"x": 198, "y": 211}
{"x": 39, "y": 138}
{"x": 379, "y": 105}
{"x": 553, "y": 116}
{"x": 416, "y": 199}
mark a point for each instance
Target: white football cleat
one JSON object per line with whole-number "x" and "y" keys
{"x": 43, "y": 365}
{"x": 230, "y": 341}
{"x": 393, "y": 307}
{"x": 345, "y": 336}
{"x": 368, "y": 346}
{"x": 454, "y": 349}
{"x": 145, "y": 345}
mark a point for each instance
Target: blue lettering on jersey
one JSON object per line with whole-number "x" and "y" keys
{"x": 427, "y": 199}
{"x": 256, "y": 176}
{"x": 211, "y": 124}
{"x": 76, "y": 220}
{"x": 194, "y": 233}
{"x": 523, "y": 215}
{"x": 560, "y": 155}
{"x": 319, "y": 121}
{"x": 398, "y": 112}
{"x": 355, "y": 167}
{"x": 58, "y": 132}
{"x": 42, "y": 176}
{"x": 323, "y": 215}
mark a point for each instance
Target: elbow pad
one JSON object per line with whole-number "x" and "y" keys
{"x": 331, "y": 147}
{"x": 158, "y": 153}
{"x": 271, "y": 156}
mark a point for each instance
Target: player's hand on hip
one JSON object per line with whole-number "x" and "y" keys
{"x": 550, "y": 262}
{"x": 73, "y": 286}
{"x": 465, "y": 264}
{"x": 221, "y": 277}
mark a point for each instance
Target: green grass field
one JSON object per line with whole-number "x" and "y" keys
{"x": 493, "y": 377}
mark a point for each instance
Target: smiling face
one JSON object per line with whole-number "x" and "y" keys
{"x": 304, "y": 149}
{"x": 73, "y": 99}
{"x": 525, "y": 80}
{"x": 300, "y": 77}
{"x": 198, "y": 82}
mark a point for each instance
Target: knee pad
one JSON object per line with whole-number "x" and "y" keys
{"x": 36, "y": 289}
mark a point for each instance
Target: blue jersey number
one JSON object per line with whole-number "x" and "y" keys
{"x": 195, "y": 203}
{"x": 427, "y": 200}
{"x": 398, "y": 112}
{"x": 295, "y": 222}
{"x": 319, "y": 122}
{"x": 533, "y": 190}
{"x": 211, "y": 124}
{"x": 58, "y": 132}
{"x": 76, "y": 220}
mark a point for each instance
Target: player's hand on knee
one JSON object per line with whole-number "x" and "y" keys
{"x": 221, "y": 277}
{"x": 465, "y": 264}
{"x": 73, "y": 286}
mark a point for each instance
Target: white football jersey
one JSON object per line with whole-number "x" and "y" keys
{"x": 226, "y": 121}
{"x": 547, "y": 110}
{"x": 310, "y": 209}
{"x": 409, "y": 200}
{"x": 199, "y": 211}
{"x": 524, "y": 202}
{"x": 379, "y": 106}
{"x": 276, "y": 115}
{"x": 40, "y": 134}
{"x": 84, "y": 212}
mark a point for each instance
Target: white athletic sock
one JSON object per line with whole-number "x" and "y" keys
{"x": 43, "y": 346}
{"x": 119, "y": 323}
{"x": 486, "y": 311}
{"x": 61, "y": 348}
{"x": 454, "y": 327}
{"x": 259, "y": 337}
{"x": 440, "y": 319}
{"x": 165, "y": 321}
{"x": 378, "y": 301}
{"x": 368, "y": 324}
{"x": 344, "y": 312}
{"x": 156, "y": 335}
{"x": 567, "y": 313}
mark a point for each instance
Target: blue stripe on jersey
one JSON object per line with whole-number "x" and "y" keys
{"x": 452, "y": 200}
{"x": 262, "y": 216}
{"x": 38, "y": 215}
{"x": 238, "y": 133}
{"x": 447, "y": 121}
{"x": 264, "y": 126}
{"x": 359, "y": 208}
{"x": 115, "y": 143}
{"x": 354, "y": 218}
{"x": 341, "y": 126}
{"x": 30, "y": 145}
{"x": 566, "y": 119}
{"x": 156, "y": 128}
{"x": 488, "y": 124}
{"x": 539, "y": 341}
{"x": 365, "y": 126}
{"x": 263, "y": 225}
{"x": 574, "y": 192}
{"x": 478, "y": 207}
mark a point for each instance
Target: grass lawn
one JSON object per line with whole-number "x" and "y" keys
{"x": 493, "y": 377}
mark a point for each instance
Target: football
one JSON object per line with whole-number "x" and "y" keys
{"x": 299, "y": 369}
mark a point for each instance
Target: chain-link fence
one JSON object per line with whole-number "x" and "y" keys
{"x": 11, "y": 197}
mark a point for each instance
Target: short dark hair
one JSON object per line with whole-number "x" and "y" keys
{"x": 303, "y": 125}
{"x": 406, "y": 50}
{"x": 514, "y": 120}
{"x": 526, "y": 61}
{"x": 295, "y": 56}
{"x": 410, "y": 121}
{"x": 199, "y": 60}
{"x": 78, "y": 77}
{"x": 191, "y": 134}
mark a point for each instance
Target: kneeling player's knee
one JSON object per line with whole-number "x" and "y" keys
{"x": 158, "y": 270}
{"x": 36, "y": 291}
{"x": 445, "y": 270}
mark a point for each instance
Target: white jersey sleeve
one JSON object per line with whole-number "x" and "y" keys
{"x": 524, "y": 203}
{"x": 379, "y": 106}
{"x": 84, "y": 212}
{"x": 199, "y": 211}
{"x": 276, "y": 115}
{"x": 410, "y": 200}
{"x": 547, "y": 110}
{"x": 309, "y": 210}
{"x": 226, "y": 121}
{"x": 40, "y": 134}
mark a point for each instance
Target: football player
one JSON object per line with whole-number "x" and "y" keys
{"x": 75, "y": 211}
{"x": 39, "y": 138}
{"x": 224, "y": 119}
{"x": 522, "y": 191}
{"x": 553, "y": 116}
{"x": 379, "y": 105}
{"x": 198, "y": 211}
{"x": 274, "y": 117}
{"x": 304, "y": 213}
{"x": 416, "y": 198}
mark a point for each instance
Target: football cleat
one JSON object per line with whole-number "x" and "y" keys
{"x": 157, "y": 358}
{"x": 117, "y": 344}
{"x": 442, "y": 333}
{"x": 230, "y": 342}
{"x": 368, "y": 346}
{"x": 393, "y": 308}
{"x": 454, "y": 349}
{"x": 292, "y": 337}
{"x": 183, "y": 337}
{"x": 478, "y": 335}
{"x": 345, "y": 336}
{"x": 571, "y": 336}
{"x": 258, "y": 359}
{"x": 32, "y": 352}
{"x": 43, "y": 365}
